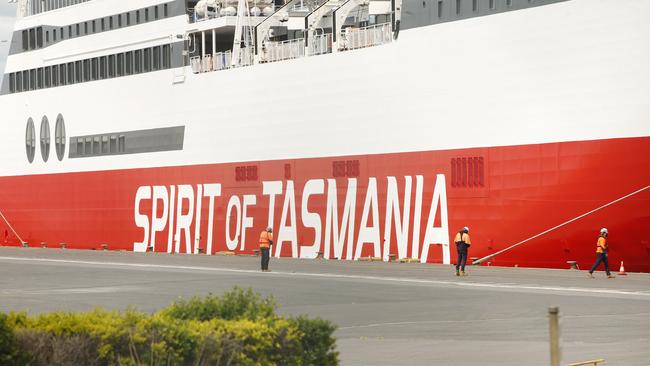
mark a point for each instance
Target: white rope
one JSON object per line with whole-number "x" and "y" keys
{"x": 11, "y": 227}
{"x": 479, "y": 261}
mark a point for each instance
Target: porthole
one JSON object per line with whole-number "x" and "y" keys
{"x": 59, "y": 137}
{"x": 30, "y": 140}
{"x": 45, "y": 138}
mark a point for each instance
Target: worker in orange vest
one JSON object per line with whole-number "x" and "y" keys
{"x": 266, "y": 240}
{"x": 602, "y": 249}
{"x": 463, "y": 242}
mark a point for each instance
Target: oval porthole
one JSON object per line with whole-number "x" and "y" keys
{"x": 30, "y": 140}
{"x": 45, "y": 138}
{"x": 59, "y": 137}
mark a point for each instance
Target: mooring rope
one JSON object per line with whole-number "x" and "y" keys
{"x": 479, "y": 261}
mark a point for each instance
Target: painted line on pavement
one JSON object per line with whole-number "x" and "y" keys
{"x": 557, "y": 289}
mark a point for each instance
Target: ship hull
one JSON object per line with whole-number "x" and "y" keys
{"x": 504, "y": 194}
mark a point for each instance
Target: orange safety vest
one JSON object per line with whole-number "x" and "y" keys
{"x": 265, "y": 239}
{"x": 461, "y": 236}
{"x": 601, "y": 245}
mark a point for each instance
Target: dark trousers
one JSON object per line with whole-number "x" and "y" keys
{"x": 602, "y": 257}
{"x": 462, "y": 256}
{"x": 265, "y": 258}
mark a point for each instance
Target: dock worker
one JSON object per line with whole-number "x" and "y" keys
{"x": 266, "y": 240}
{"x": 602, "y": 249}
{"x": 463, "y": 242}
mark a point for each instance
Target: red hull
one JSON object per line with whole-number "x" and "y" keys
{"x": 504, "y": 194}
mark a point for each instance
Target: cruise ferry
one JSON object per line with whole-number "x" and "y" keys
{"x": 354, "y": 128}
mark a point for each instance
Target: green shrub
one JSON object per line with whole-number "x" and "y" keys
{"x": 9, "y": 351}
{"x": 239, "y": 328}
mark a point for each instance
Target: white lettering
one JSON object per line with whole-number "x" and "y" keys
{"x": 417, "y": 217}
{"x": 437, "y": 235}
{"x": 401, "y": 227}
{"x": 271, "y": 189}
{"x": 247, "y": 222}
{"x": 347, "y": 220}
{"x": 184, "y": 221}
{"x": 288, "y": 232}
{"x": 369, "y": 234}
{"x": 141, "y": 221}
{"x": 158, "y": 224}
{"x": 235, "y": 203}
{"x": 197, "y": 220}
{"x": 310, "y": 219}
{"x": 170, "y": 231}
{"x": 211, "y": 191}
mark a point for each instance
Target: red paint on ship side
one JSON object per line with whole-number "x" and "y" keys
{"x": 524, "y": 191}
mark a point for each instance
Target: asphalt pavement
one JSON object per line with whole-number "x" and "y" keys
{"x": 387, "y": 313}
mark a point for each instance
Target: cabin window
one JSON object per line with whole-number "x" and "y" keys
{"x": 87, "y": 72}
{"x": 458, "y": 7}
{"x": 120, "y": 64}
{"x": 55, "y": 75}
{"x": 78, "y": 72}
{"x": 166, "y": 56}
{"x": 39, "y": 37}
{"x": 102, "y": 67}
{"x": 128, "y": 19}
{"x": 111, "y": 66}
{"x": 59, "y": 137}
{"x": 104, "y": 144}
{"x": 39, "y": 78}
{"x": 32, "y": 39}
{"x": 94, "y": 26}
{"x": 30, "y": 140}
{"x": 137, "y": 16}
{"x": 70, "y": 72}
{"x": 32, "y": 79}
{"x": 61, "y": 32}
{"x": 492, "y": 4}
{"x": 96, "y": 145}
{"x": 128, "y": 63}
{"x": 119, "y": 20}
{"x": 47, "y": 37}
{"x": 54, "y": 35}
{"x": 47, "y": 77}
{"x": 138, "y": 61}
{"x": 113, "y": 146}
{"x": 95, "y": 68}
{"x": 69, "y": 31}
{"x": 439, "y": 9}
{"x": 12, "y": 83}
{"x": 155, "y": 13}
{"x": 121, "y": 144}
{"x": 166, "y": 10}
{"x": 475, "y": 5}
{"x": 45, "y": 139}
{"x": 146, "y": 15}
{"x": 62, "y": 74}
{"x": 110, "y": 22}
{"x": 103, "y": 24}
{"x": 88, "y": 146}
{"x": 85, "y": 28}
{"x": 19, "y": 82}
{"x": 509, "y": 2}
{"x": 156, "y": 58}
{"x": 147, "y": 60}
{"x": 25, "y": 80}
{"x": 25, "y": 40}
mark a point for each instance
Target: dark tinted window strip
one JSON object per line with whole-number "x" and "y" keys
{"x": 98, "y": 68}
{"x": 127, "y": 142}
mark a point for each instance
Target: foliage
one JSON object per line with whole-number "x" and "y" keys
{"x": 238, "y": 328}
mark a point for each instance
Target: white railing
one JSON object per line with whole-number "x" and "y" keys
{"x": 246, "y": 56}
{"x": 195, "y": 64}
{"x": 221, "y": 60}
{"x": 320, "y": 44}
{"x": 374, "y": 35}
{"x": 285, "y": 50}
{"x": 214, "y": 62}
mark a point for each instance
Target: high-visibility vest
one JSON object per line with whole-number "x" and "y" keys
{"x": 601, "y": 244}
{"x": 462, "y": 237}
{"x": 265, "y": 239}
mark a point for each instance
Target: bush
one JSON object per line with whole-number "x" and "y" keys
{"x": 239, "y": 328}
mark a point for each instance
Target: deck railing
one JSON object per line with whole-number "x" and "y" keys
{"x": 320, "y": 44}
{"x": 374, "y": 35}
{"x": 285, "y": 50}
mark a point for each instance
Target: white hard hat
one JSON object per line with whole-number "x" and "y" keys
{"x": 604, "y": 230}
{"x": 269, "y": 229}
{"x": 466, "y": 229}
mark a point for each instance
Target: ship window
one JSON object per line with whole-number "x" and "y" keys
{"x": 88, "y": 146}
{"x": 155, "y": 13}
{"x": 166, "y": 57}
{"x": 45, "y": 138}
{"x": 30, "y": 140}
{"x": 113, "y": 146}
{"x": 128, "y": 62}
{"x": 146, "y": 15}
{"x": 26, "y": 80}
{"x": 19, "y": 82}
{"x": 47, "y": 77}
{"x": 77, "y": 30}
{"x": 69, "y": 31}
{"x": 96, "y": 145}
{"x": 85, "y": 28}
{"x": 165, "y": 10}
{"x": 95, "y": 68}
{"x": 70, "y": 72}
{"x": 120, "y": 64}
{"x": 25, "y": 40}
{"x": 121, "y": 144}
{"x": 94, "y": 26}
{"x": 104, "y": 144}
{"x": 39, "y": 37}
{"x": 78, "y": 72}
{"x": 55, "y": 75}
{"x": 457, "y": 7}
{"x": 102, "y": 67}
{"x": 87, "y": 70}
{"x": 474, "y": 5}
{"x": 137, "y": 16}
{"x": 47, "y": 37}
{"x": 32, "y": 79}
{"x": 12, "y": 81}
{"x": 32, "y": 39}
{"x": 110, "y": 22}
{"x": 147, "y": 60}
{"x": 111, "y": 66}
{"x": 509, "y": 2}
{"x": 128, "y": 19}
{"x": 138, "y": 61}
{"x": 439, "y": 9}
{"x": 39, "y": 78}
{"x": 80, "y": 146}
{"x": 103, "y": 24}
{"x": 54, "y": 35}
{"x": 59, "y": 137}
{"x": 491, "y": 4}
{"x": 156, "y": 58}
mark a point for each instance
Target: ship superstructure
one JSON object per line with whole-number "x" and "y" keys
{"x": 356, "y": 128}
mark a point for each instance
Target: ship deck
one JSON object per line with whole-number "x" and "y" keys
{"x": 387, "y": 313}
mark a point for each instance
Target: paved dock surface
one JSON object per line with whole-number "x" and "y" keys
{"x": 387, "y": 313}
